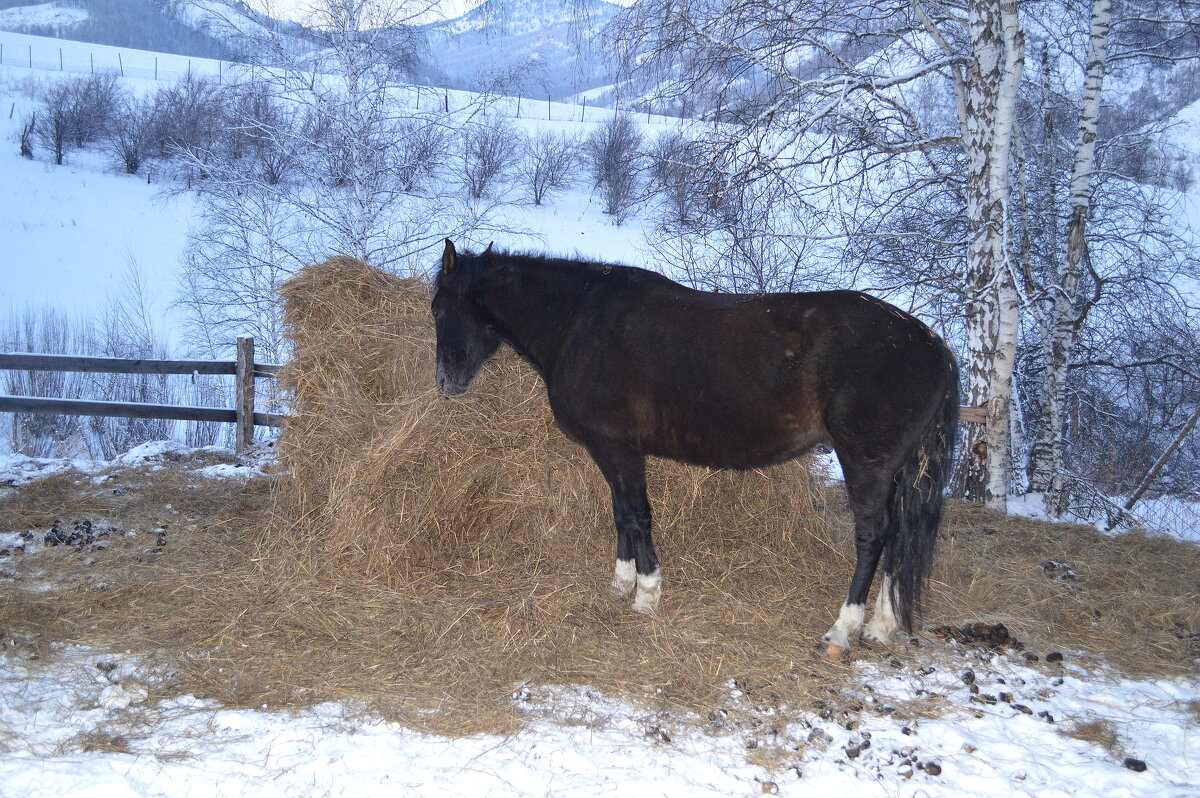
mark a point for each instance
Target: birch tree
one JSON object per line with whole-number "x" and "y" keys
{"x": 1062, "y": 298}
{"x": 988, "y": 118}
{"x": 1060, "y": 329}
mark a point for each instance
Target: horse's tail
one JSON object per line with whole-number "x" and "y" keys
{"x": 916, "y": 505}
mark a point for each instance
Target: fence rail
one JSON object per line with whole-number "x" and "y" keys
{"x": 117, "y": 365}
{"x": 244, "y": 369}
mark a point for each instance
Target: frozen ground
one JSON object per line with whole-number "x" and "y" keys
{"x": 76, "y": 721}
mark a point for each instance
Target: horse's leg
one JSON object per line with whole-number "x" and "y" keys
{"x": 868, "y": 493}
{"x": 637, "y": 564}
{"x": 884, "y": 622}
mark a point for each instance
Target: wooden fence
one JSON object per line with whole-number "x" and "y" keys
{"x": 244, "y": 369}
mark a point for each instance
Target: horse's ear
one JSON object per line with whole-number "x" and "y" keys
{"x": 449, "y": 257}
{"x": 488, "y": 251}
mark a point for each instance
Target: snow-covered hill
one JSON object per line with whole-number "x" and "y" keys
{"x": 550, "y": 46}
{"x": 143, "y": 24}
{"x": 57, "y": 17}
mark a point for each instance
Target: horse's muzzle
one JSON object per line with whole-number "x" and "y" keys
{"x": 450, "y": 388}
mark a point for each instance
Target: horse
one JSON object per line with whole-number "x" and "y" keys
{"x": 635, "y": 364}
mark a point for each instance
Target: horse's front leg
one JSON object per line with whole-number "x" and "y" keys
{"x": 637, "y": 564}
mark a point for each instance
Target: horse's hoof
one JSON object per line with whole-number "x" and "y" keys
{"x": 646, "y": 605}
{"x": 834, "y": 652}
{"x": 621, "y": 589}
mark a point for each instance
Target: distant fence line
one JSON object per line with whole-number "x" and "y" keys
{"x": 244, "y": 369}
{"x": 140, "y": 64}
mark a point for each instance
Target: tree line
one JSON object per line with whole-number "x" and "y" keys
{"x": 996, "y": 165}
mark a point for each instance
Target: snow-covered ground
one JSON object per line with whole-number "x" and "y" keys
{"x": 76, "y": 721}
{"x": 1169, "y": 515}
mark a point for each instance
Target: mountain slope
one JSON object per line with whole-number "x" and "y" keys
{"x": 540, "y": 46}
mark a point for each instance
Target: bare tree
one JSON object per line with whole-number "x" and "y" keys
{"x": 361, "y": 182}
{"x": 48, "y": 331}
{"x": 129, "y": 138}
{"x": 96, "y": 100}
{"x": 548, "y": 164}
{"x": 490, "y": 149}
{"x": 1065, "y": 292}
{"x": 56, "y": 120}
{"x": 190, "y": 118}
{"x": 612, "y": 154}
{"x": 127, "y": 329}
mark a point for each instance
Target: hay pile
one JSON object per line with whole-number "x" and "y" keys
{"x": 465, "y": 547}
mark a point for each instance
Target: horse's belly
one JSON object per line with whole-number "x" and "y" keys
{"x": 734, "y": 443}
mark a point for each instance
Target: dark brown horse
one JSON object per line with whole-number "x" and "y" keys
{"x": 637, "y": 365}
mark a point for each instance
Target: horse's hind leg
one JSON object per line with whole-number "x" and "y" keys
{"x": 884, "y": 622}
{"x": 637, "y": 564}
{"x": 867, "y": 499}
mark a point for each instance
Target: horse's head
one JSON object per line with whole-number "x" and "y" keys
{"x": 465, "y": 339}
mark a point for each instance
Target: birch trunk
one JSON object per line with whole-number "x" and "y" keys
{"x": 1062, "y": 333}
{"x": 988, "y": 123}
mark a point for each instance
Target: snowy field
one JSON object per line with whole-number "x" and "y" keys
{"x": 70, "y": 233}
{"x": 79, "y": 722}
{"x": 578, "y": 743}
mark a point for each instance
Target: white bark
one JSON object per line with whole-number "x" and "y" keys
{"x": 1062, "y": 331}
{"x": 989, "y": 122}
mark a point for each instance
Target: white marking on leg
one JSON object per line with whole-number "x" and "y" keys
{"x": 649, "y": 590}
{"x": 848, "y": 624}
{"x": 884, "y": 622}
{"x": 624, "y": 578}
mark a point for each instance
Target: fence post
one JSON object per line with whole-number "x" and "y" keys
{"x": 244, "y": 400}
{"x": 121, "y": 64}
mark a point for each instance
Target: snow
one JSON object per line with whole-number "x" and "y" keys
{"x": 52, "y": 15}
{"x": 1168, "y": 515}
{"x": 578, "y": 742}
{"x": 17, "y": 469}
{"x": 74, "y": 231}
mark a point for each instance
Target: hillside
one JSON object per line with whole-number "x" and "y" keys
{"x": 548, "y": 47}
{"x": 138, "y": 24}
